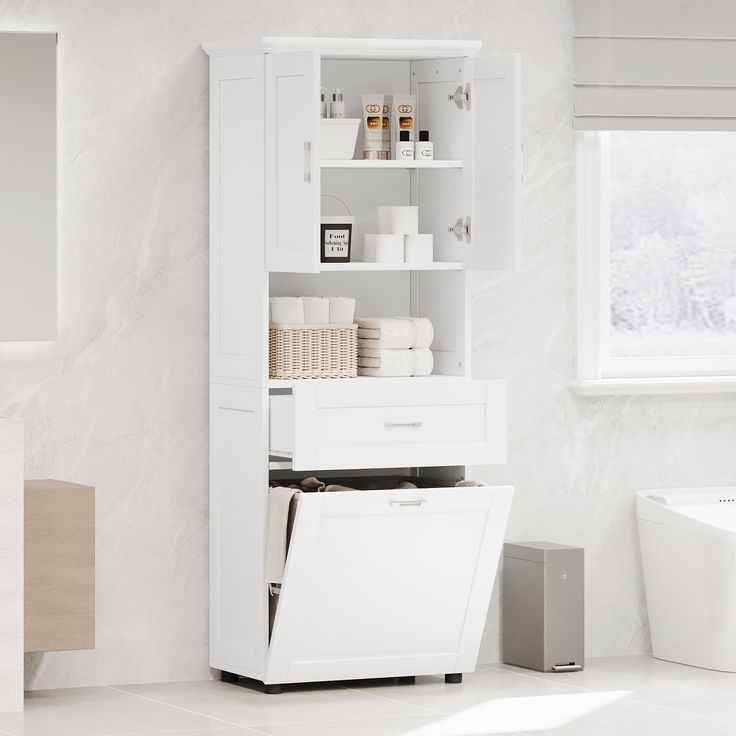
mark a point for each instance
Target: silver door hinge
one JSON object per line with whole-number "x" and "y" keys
{"x": 461, "y": 229}
{"x": 461, "y": 97}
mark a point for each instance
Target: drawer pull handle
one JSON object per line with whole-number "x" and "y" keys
{"x": 402, "y": 425}
{"x": 417, "y": 502}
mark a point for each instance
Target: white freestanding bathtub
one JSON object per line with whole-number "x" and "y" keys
{"x": 688, "y": 550}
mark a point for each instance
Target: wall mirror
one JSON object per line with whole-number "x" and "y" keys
{"x": 28, "y": 181}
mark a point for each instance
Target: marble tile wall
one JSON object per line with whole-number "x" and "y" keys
{"x": 11, "y": 565}
{"x": 120, "y": 401}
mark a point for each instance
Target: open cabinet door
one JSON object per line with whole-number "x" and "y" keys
{"x": 440, "y": 193}
{"x": 292, "y": 162}
{"x": 492, "y": 164}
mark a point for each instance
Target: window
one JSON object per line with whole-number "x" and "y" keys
{"x": 657, "y": 254}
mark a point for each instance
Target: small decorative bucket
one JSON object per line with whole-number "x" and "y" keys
{"x": 336, "y": 235}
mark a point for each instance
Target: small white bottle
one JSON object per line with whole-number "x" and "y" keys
{"x": 337, "y": 106}
{"x": 323, "y": 109}
{"x": 424, "y": 148}
{"x": 404, "y": 147}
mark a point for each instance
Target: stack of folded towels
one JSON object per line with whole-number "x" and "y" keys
{"x": 312, "y": 310}
{"x": 395, "y": 346}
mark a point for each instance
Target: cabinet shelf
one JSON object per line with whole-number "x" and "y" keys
{"x": 358, "y": 163}
{"x": 435, "y": 378}
{"x": 370, "y": 266}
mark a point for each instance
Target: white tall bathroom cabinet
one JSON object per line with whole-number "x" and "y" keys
{"x": 382, "y": 583}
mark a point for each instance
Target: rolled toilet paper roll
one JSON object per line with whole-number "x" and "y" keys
{"x": 419, "y": 248}
{"x": 398, "y": 220}
{"x": 383, "y": 248}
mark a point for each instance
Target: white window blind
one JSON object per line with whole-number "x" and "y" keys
{"x": 655, "y": 64}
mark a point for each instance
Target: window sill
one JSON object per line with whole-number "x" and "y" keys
{"x": 654, "y": 386}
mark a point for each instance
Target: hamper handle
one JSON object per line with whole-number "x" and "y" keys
{"x": 340, "y": 199}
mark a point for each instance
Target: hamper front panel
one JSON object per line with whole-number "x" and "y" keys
{"x": 388, "y": 578}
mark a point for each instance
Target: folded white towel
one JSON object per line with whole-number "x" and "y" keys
{"x": 395, "y": 363}
{"x": 287, "y": 310}
{"x": 316, "y": 310}
{"x": 279, "y": 499}
{"x": 342, "y": 310}
{"x": 394, "y": 332}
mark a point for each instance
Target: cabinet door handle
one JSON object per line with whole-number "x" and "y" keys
{"x": 307, "y": 161}
{"x": 416, "y": 503}
{"x": 402, "y": 425}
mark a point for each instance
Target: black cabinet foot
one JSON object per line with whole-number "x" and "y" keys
{"x": 454, "y": 678}
{"x": 272, "y": 689}
{"x": 408, "y": 680}
{"x": 228, "y": 676}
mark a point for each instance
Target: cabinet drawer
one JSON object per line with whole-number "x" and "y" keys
{"x": 390, "y": 423}
{"x": 387, "y": 583}
{"x": 59, "y": 566}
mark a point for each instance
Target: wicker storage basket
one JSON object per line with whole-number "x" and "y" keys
{"x": 313, "y": 351}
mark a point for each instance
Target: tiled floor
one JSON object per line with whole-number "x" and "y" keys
{"x": 623, "y": 696}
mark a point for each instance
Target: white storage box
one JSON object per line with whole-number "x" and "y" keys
{"x": 338, "y": 137}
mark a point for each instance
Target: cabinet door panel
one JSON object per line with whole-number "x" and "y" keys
{"x": 292, "y": 162}
{"x": 483, "y": 131}
{"x": 238, "y": 497}
{"x": 237, "y": 262}
{"x": 492, "y": 165}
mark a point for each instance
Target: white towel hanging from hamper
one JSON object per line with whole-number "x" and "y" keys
{"x": 279, "y": 501}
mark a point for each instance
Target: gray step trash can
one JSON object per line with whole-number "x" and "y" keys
{"x": 542, "y": 601}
